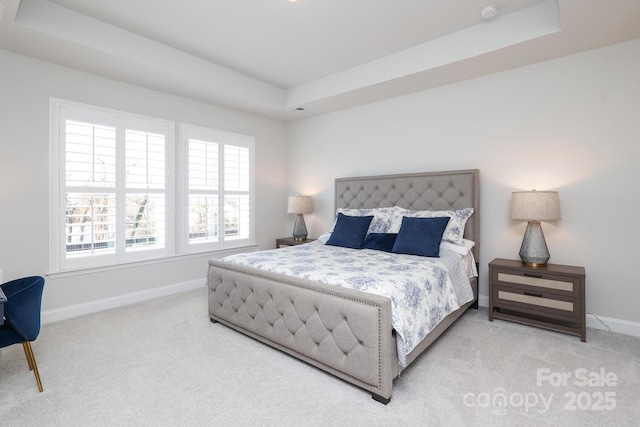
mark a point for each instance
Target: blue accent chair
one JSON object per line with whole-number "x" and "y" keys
{"x": 22, "y": 316}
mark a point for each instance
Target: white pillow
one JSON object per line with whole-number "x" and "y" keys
{"x": 454, "y": 231}
{"x": 462, "y": 249}
{"x": 323, "y": 238}
{"x": 382, "y": 217}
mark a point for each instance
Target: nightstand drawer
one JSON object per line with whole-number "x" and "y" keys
{"x": 559, "y": 285}
{"x": 541, "y": 303}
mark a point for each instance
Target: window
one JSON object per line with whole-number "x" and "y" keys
{"x": 219, "y": 188}
{"x": 115, "y": 198}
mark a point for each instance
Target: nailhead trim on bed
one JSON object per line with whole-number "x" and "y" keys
{"x": 251, "y": 309}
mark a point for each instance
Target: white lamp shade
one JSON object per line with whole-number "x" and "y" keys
{"x": 300, "y": 204}
{"x": 535, "y": 205}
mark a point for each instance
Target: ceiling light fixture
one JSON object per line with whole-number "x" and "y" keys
{"x": 489, "y": 12}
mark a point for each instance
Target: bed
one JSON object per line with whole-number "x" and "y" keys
{"x": 346, "y": 332}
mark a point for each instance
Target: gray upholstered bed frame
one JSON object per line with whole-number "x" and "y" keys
{"x": 342, "y": 331}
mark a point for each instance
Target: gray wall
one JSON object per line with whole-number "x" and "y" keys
{"x": 27, "y": 85}
{"x": 570, "y": 124}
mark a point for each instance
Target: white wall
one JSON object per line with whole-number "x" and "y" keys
{"x": 571, "y": 124}
{"x": 27, "y": 85}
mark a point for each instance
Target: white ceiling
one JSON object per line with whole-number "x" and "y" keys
{"x": 270, "y": 57}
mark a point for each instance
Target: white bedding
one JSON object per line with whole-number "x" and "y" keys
{"x": 423, "y": 291}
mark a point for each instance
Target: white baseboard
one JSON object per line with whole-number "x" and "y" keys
{"x": 483, "y": 301}
{"x": 614, "y": 325}
{"x": 57, "y": 314}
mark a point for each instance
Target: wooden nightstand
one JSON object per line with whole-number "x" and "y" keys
{"x": 289, "y": 241}
{"x": 550, "y": 297}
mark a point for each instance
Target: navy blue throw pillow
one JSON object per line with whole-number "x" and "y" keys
{"x": 420, "y": 236}
{"x": 380, "y": 241}
{"x": 349, "y": 231}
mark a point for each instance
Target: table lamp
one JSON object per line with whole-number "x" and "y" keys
{"x": 299, "y": 205}
{"x": 535, "y": 206}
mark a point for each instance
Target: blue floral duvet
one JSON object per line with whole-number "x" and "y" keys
{"x": 423, "y": 291}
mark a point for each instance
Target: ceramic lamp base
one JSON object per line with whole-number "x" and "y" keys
{"x": 299, "y": 228}
{"x": 534, "y": 251}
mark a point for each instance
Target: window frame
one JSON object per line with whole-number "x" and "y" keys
{"x": 176, "y": 193}
{"x": 60, "y": 111}
{"x": 221, "y": 138}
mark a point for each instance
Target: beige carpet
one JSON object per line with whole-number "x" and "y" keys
{"x": 162, "y": 363}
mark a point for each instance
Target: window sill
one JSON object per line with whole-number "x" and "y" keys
{"x": 92, "y": 270}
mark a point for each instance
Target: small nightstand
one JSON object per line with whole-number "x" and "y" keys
{"x": 550, "y": 297}
{"x": 289, "y": 241}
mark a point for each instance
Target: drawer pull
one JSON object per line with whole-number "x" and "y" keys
{"x": 537, "y": 276}
{"x": 533, "y": 294}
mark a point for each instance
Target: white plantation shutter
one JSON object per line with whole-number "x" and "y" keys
{"x": 111, "y": 185}
{"x": 90, "y": 188}
{"x": 90, "y": 155}
{"x": 219, "y": 188}
{"x": 237, "y": 204}
{"x": 145, "y": 183}
{"x": 203, "y": 220}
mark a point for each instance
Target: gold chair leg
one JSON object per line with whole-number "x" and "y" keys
{"x": 26, "y": 353}
{"x": 32, "y": 362}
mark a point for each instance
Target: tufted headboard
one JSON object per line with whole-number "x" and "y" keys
{"x": 418, "y": 191}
